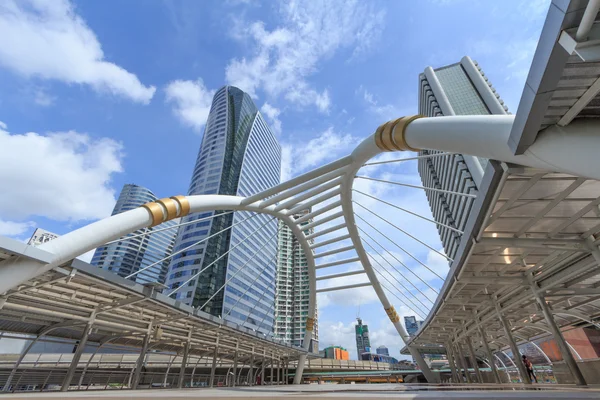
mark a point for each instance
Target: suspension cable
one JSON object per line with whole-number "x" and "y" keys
{"x": 410, "y": 212}
{"x": 415, "y": 307}
{"x": 221, "y": 256}
{"x": 397, "y": 280}
{"x": 417, "y": 311}
{"x": 409, "y": 158}
{"x": 256, "y": 279}
{"x": 167, "y": 228}
{"x": 401, "y": 263}
{"x": 401, "y": 230}
{"x": 397, "y": 245}
{"x": 190, "y": 246}
{"x": 241, "y": 268}
{"x": 468, "y": 195}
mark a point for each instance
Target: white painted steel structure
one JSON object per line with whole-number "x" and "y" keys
{"x": 528, "y": 156}
{"x": 484, "y": 136}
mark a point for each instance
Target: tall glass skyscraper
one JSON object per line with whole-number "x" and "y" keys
{"x": 457, "y": 89}
{"x": 363, "y": 343}
{"x": 292, "y": 292}
{"x": 131, "y": 255}
{"x": 239, "y": 156}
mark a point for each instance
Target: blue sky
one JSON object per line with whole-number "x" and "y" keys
{"x": 94, "y": 95}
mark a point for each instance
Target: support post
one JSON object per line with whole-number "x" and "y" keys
{"x": 272, "y": 363}
{"x": 213, "y": 368}
{"x": 513, "y": 346}
{"x": 141, "y": 358}
{"x": 558, "y": 337}
{"x": 82, "y": 342}
{"x": 450, "y": 357}
{"x": 474, "y": 360}
{"x": 463, "y": 361}
{"x": 278, "y": 368}
{"x": 235, "y": 362}
{"x": 186, "y": 351}
{"x": 251, "y": 380}
{"x": 489, "y": 354}
{"x": 262, "y": 366}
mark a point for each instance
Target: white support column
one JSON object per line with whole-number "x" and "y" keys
{"x": 450, "y": 356}
{"x": 235, "y": 362}
{"x": 80, "y": 348}
{"x": 184, "y": 359}
{"x": 513, "y": 346}
{"x": 463, "y": 361}
{"x": 474, "y": 360}
{"x": 251, "y": 369}
{"x": 213, "y": 368}
{"x": 489, "y": 354}
{"x": 558, "y": 336}
{"x": 141, "y": 359}
{"x": 272, "y": 364}
{"x": 262, "y": 367}
{"x": 278, "y": 370}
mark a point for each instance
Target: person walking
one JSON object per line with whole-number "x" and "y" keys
{"x": 529, "y": 367}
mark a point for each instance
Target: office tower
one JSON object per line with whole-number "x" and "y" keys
{"x": 292, "y": 292}
{"x": 336, "y": 353}
{"x": 457, "y": 89}
{"x": 412, "y": 325}
{"x": 382, "y": 351}
{"x": 363, "y": 344}
{"x": 136, "y": 253}
{"x": 239, "y": 155}
{"x": 41, "y": 236}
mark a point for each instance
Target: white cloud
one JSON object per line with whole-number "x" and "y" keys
{"x": 346, "y": 297}
{"x": 192, "y": 101}
{"x": 61, "y": 175}
{"x": 10, "y": 228}
{"x": 47, "y": 39}
{"x": 272, "y": 114}
{"x": 42, "y": 98}
{"x": 385, "y": 112}
{"x": 311, "y": 31}
{"x": 328, "y": 146}
{"x": 338, "y": 334}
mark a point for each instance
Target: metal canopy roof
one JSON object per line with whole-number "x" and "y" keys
{"x": 530, "y": 222}
{"x": 60, "y": 302}
{"x": 541, "y": 224}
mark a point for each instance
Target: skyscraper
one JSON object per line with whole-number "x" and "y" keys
{"x": 363, "y": 344}
{"x": 457, "y": 89}
{"x": 239, "y": 156}
{"x": 127, "y": 256}
{"x": 412, "y": 325}
{"x": 382, "y": 351}
{"x": 292, "y": 291}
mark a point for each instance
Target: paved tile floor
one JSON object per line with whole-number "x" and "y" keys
{"x": 312, "y": 392}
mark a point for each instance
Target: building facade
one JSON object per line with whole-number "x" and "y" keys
{"x": 412, "y": 325}
{"x": 457, "y": 89}
{"x": 382, "y": 351}
{"x": 292, "y": 292}
{"x": 141, "y": 254}
{"x": 363, "y": 343}
{"x": 239, "y": 155}
{"x": 41, "y": 236}
{"x": 336, "y": 353}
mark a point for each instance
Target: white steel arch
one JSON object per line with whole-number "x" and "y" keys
{"x": 331, "y": 187}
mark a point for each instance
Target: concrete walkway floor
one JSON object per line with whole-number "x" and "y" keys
{"x": 312, "y": 392}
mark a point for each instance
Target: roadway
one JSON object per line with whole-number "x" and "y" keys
{"x": 301, "y": 392}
